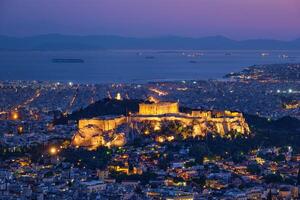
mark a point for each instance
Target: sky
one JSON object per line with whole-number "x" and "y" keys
{"x": 236, "y": 19}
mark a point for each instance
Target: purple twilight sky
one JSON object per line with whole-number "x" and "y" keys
{"x": 237, "y": 19}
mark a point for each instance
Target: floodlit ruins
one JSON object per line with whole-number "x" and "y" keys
{"x": 114, "y": 130}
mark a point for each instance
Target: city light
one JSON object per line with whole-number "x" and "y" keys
{"x": 157, "y": 127}
{"x": 53, "y": 151}
{"x": 20, "y": 129}
{"x": 159, "y": 92}
{"x": 118, "y": 97}
{"x": 15, "y": 115}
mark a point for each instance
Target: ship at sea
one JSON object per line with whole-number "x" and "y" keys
{"x": 67, "y": 60}
{"x": 149, "y": 57}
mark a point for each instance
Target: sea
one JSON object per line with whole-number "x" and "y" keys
{"x": 134, "y": 66}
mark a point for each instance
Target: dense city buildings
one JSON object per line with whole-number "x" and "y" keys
{"x": 236, "y": 138}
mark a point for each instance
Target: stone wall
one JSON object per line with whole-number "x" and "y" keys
{"x": 158, "y": 108}
{"x": 202, "y": 125}
{"x": 102, "y": 123}
{"x": 202, "y": 114}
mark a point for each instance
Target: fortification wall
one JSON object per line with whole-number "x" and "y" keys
{"x": 221, "y": 125}
{"x": 103, "y": 124}
{"x": 227, "y": 113}
{"x": 203, "y": 114}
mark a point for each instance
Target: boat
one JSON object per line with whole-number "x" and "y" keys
{"x": 264, "y": 54}
{"x": 284, "y": 56}
{"x": 149, "y": 57}
{"x": 67, "y": 60}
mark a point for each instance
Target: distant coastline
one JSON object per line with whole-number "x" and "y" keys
{"x": 106, "y": 42}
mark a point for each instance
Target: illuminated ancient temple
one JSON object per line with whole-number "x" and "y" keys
{"x": 159, "y": 108}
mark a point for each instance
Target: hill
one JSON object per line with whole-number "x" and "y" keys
{"x": 104, "y": 42}
{"x": 117, "y": 107}
{"x": 100, "y": 108}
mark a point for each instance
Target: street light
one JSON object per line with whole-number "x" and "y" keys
{"x": 53, "y": 151}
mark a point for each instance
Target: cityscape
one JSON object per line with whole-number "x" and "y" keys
{"x": 149, "y": 100}
{"x": 154, "y": 140}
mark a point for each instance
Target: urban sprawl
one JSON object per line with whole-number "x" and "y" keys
{"x": 235, "y": 138}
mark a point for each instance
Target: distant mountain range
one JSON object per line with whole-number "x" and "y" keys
{"x": 72, "y": 42}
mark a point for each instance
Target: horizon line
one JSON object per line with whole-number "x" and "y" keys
{"x": 147, "y": 37}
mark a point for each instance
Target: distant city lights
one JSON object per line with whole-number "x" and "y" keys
{"x": 287, "y": 91}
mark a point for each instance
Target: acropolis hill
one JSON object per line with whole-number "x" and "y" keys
{"x": 116, "y": 130}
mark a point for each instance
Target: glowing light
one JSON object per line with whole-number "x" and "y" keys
{"x": 160, "y": 139}
{"x": 157, "y": 127}
{"x": 290, "y": 90}
{"x": 260, "y": 160}
{"x": 53, "y": 151}
{"x": 153, "y": 99}
{"x": 71, "y": 84}
{"x": 159, "y": 92}
{"x": 15, "y": 115}
{"x": 182, "y": 89}
{"x": 118, "y": 97}
{"x": 170, "y": 138}
{"x": 20, "y": 129}
{"x": 278, "y": 91}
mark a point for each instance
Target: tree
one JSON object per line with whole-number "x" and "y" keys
{"x": 254, "y": 169}
{"x": 238, "y": 157}
{"x": 189, "y": 164}
{"x": 279, "y": 158}
{"x": 273, "y": 178}
{"x": 269, "y": 197}
{"x": 91, "y": 159}
{"x": 200, "y": 180}
{"x": 298, "y": 177}
{"x": 198, "y": 151}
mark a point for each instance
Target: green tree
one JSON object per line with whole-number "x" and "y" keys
{"x": 254, "y": 169}
{"x": 198, "y": 151}
{"x": 298, "y": 177}
{"x": 273, "y": 178}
